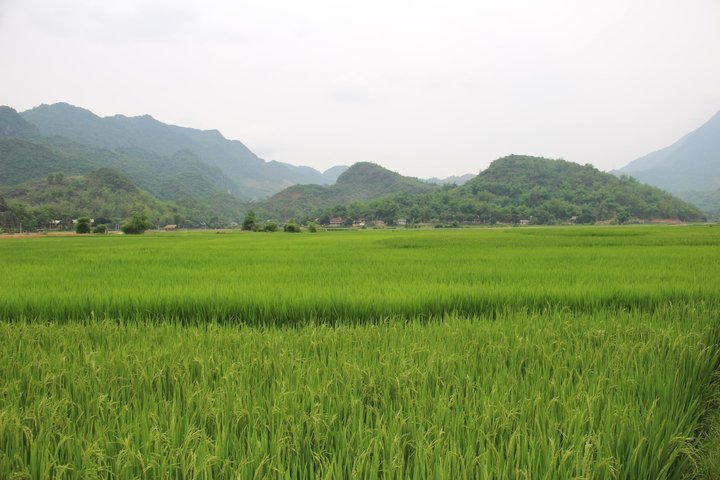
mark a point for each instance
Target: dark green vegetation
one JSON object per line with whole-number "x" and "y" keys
{"x": 362, "y": 182}
{"x": 138, "y": 224}
{"x": 511, "y": 189}
{"x": 107, "y": 193}
{"x": 584, "y": 352}
{"x": 194, "y": 178}
{"x": 708, "y": 202}
{"x": 689, "y": 168}
{"x": 179, "y": 188}
{"x": 253, "y": 176}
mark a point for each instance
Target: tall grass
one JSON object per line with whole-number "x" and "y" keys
{"x": 522, "y": 396}
{"x": 276, "y": 279}
{"x": 518, "y": 353}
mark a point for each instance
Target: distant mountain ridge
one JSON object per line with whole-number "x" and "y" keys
{"x": 691, "y": 163}
{"x": 13, "y": 125}
{"x": 202, "y": 178}
{"x": 689, "y": 168}
{"x": 455, "y": 179}
{"x": 363, "y": 181}
{"x": 255, "y": 177}
{"x": 550, "y": 190}
{"x": 513, "y": 189}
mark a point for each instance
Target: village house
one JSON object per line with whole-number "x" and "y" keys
{"x": 336, "y": 222}
{"x": 401, "y": 222}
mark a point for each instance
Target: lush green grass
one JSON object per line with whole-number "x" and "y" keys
{"x": 523, "y": 396}
{"x": 280, "y": 279}
{"x": 517, "y": 353}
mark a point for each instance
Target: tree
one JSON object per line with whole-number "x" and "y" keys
{"x": 270, "y": 226}
{"x": 83, "y": 225}
{"x": 623, "y": 216}
{"x": 101, "y": 228}
{"x": 249, "y": 222}
{"x": 137, "y": 225}
{"x": 292, "y": 227}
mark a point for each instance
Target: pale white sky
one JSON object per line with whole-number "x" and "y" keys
{"x": 426, "y": 88}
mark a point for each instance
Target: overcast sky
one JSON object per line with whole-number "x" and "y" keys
{"x": 426, "y": 88}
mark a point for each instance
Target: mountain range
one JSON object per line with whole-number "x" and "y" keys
{"x": 512, "y": 189}
{"x": 62, "y": 161}
{"x": 689, "y": 168}
{"x": 363, "y": 181}
{"x": 249, "y": 176}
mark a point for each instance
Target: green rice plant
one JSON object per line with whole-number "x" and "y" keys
{"x": 477, "y": 353}
{"x": 564, "y": 395}
{"x": 354, "y": 277}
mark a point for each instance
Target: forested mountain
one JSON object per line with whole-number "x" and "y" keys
{"x": 455, "y": 179}
{"x": 200, "y": 192}
{"x": 690, "y": 164}
{"x": 61, "y": 161}
{"x": 521, "y": 188}
{"x": 110, "y": 197}
{"x": 690, "y": 167}
{"x": 22, "y": 160}
{"x": 12, "y": 125}
{"x": 253, "y": 176}
{"x": 363, "y": 181}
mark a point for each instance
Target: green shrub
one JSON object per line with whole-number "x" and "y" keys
{"x": 292, "y": 227}
{"x": 137, "y": 225}
{"x": 101, "y": 228}
{"x": 270, "y": 226}
{"x": 83, "y": 225}
{"x": 249, "y": 223}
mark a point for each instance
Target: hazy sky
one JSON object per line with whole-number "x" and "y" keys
{"x": 426, "y": 88}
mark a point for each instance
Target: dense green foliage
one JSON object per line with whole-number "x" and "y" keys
{"x": 486, "y": 353}
{"x": 363, "y": 181}
{"x": 110, "y": 197}
{"x": 708, "y": 202}
{"x": 138, "y": 224}
{"x": 23, "y": 160}
{"x": 201, "y": 193}
{"x": 538, "y": 190}
{"x": 249, "y": 223}
{"x": 105, "y": 195}
{"x": 291, "y": 227}
{"x": 253, "y": 176}
{"x": 84, "y": 225}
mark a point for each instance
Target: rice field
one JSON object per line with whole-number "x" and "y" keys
{"x": 480, "y": 353}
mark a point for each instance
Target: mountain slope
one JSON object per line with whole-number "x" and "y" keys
{"x": 455, "y": 179}
{"x": 105, "y": 194}
{"x": 690, "y": 164}
{"x": 109, "y": 196}
{"x": 23, "y": 160}
{"x": 534, "y": 189}
{"x": 363, "y": 181}
{"x": 556, "y": 190}
{"x": 13, "y": 125}
{"x": 255, "y": 177}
